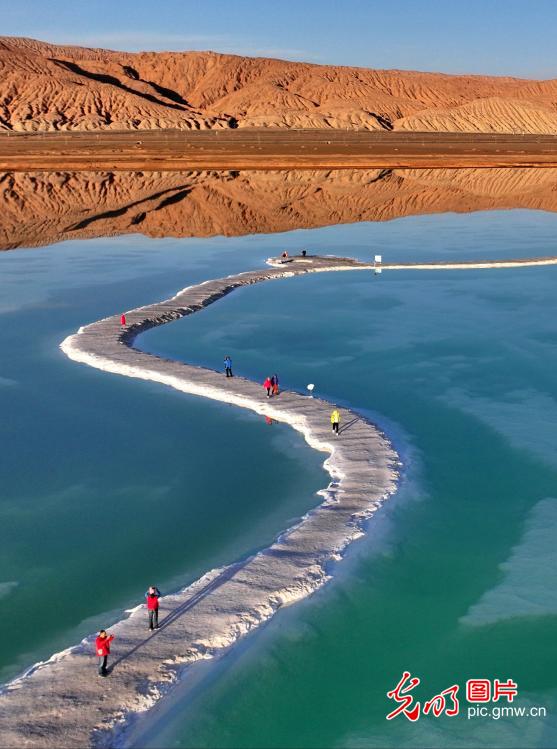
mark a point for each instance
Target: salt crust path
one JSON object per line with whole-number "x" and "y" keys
{"x": 61, "y": 702}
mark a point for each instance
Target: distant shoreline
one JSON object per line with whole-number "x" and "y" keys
{"x": 177, "y": 150}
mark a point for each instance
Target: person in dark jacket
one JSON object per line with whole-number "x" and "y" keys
{"x": 152, "y": 599}
{"x": 228, "y": 366}
{"x": 102, "y": 645}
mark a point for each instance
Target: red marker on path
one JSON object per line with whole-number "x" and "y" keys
{"x": 123, "y": 320}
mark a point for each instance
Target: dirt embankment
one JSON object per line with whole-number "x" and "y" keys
{"x": 175, "y": 150}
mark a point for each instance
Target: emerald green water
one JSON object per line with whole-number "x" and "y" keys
{"x": 456, "y": 578}
{"x": 105, "y": 488}
{"x": 109, "y": 484}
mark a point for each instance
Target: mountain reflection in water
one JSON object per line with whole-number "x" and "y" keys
{"x": 43, "y": 208}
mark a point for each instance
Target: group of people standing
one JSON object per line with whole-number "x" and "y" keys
{"x": 271, "y": 385}
{"x": 102, "y": 643}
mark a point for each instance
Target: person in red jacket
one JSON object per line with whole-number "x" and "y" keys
{"x": 268, "y": 385}
{"x": 152, "y": 598}
{"x": 102, "y": 644}
{"x": 123, "y": 319}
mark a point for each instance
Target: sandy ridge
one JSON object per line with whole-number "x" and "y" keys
{"x": 48, "y": 87}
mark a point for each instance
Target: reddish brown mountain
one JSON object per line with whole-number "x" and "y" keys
{"x": 52, "y": 87}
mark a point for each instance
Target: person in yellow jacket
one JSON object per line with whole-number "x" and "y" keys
{"x": 335, "y": 421}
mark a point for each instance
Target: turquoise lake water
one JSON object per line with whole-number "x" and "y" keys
{"x": 109, "y": 484}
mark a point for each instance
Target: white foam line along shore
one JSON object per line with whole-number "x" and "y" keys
{"x": 61, "y": 702}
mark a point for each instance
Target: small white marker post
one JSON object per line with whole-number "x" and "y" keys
{"x": 377, "y": 264}
{"x": 310, "y": 388}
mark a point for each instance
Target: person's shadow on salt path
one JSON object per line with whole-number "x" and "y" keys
{"x": 348, "y": 424}
{"x": 179, "y": 611}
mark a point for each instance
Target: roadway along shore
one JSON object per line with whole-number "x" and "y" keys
{"x": 176, "y": 150}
